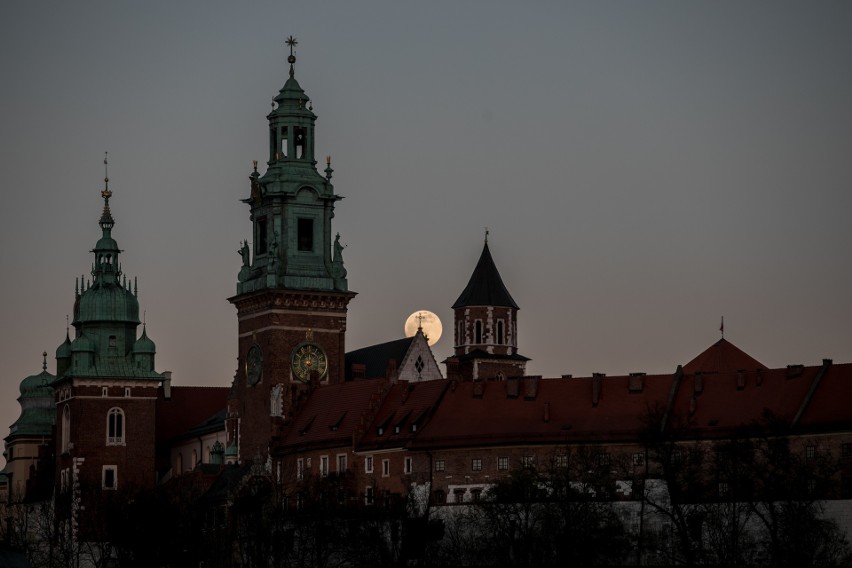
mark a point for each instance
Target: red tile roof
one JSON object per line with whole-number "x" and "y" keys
{"x": 722, "y": 357}
{"x": 331, "y": 413}
{"x": 406, "y": 405}
{"x": 187, "y": 407}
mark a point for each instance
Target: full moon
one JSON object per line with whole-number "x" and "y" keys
{"x": 430, "y": 323}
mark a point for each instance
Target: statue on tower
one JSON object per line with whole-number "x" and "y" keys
{"x": 338, "y": 271}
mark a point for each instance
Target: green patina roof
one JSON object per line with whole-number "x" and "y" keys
{"x": 37, "y": 411}
{"x": 106, "y": 317}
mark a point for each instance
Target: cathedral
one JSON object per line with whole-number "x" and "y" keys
{"x": 386, "y": 416}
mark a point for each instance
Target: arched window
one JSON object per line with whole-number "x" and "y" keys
{"x": 499, "y": 332}
{"x": 66, "y": 429}
{"x": 478, "y": 331}
{"x": 115, "y": 427}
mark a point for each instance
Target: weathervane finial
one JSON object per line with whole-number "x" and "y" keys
{"x": 486, "y": 235}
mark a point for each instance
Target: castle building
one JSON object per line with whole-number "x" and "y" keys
{"x": 381, "y": 418}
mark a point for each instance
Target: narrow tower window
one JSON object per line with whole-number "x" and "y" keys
{"x": 115, "y": 427}
{"x": 283, "y": 142}
{"x": 478, "y": 331}
{"x": 306, "y": 234}
{"x": 499, "y": 332}
{"x": 261, "y": 236}
{"x": 66, "y": 429}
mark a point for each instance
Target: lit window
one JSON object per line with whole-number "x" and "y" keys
{"x": 110, "y": 477}
{"x": 476, "y": 464}
{"x": 385, "y": 468}
{"x": 368, "y": 464}
{"x": 300, "y": 469}
{"x": 528, "y": 462}
{"x": 115, "y": 427}
{"x": 562, "y": 460}
{"x": 810, "y": 452}
{"x": 439, "y": 465}
{"x": 723, "y": 489}
{"x": 638, "y": 458}
{"x": 407, "y": 465}
{"x": 323, "y": 466}
{"x": 503, "y": 463}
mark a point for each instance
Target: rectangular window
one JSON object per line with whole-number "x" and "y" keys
{"x": 368, "y": 496}
{"x": 300, "y": 469}
{"x": 305, "y": 228}
{"x": 846, "y": 450}
{"x": 341, "y": 463}
{"x": 368, "y": 464}
{"x": 104, "y": 391}
{"x": 439, "y": 465}
{"x": 261, "y": 237}
{"x": 528, "y": 462}
{"x": 112, "y": 341}
{"x": 723, "y": 489}
{"x": 810, "y": 452}
{"x": 476, "y": 494}
{"x": 385, "y": 468}
{"x": 503, "y": 463}
{"x": 476, "y": 464}
{"x": 110, "y": 477}
{"x": 323, "y": 466}
{"x": 407, "y": 465}
{"x": 562, "y": 460}
{"x": 127, "y": 392}
{"x": 639, "y": 459}
{"x": 603, "y": 459}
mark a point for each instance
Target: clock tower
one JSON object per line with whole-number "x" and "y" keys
{"x": 292, "y": 292}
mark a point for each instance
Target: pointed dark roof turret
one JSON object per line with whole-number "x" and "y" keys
{"x": 485, "y": 287}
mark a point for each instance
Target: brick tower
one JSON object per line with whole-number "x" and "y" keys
{"x": 292, "y": 293}
{"x": 486, "y": 328}
{"x": 105, "y": 390}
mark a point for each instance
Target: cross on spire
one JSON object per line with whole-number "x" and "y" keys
{"x": 291, "y": 43}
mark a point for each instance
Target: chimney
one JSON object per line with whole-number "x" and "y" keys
{"x": 531, "y": 387}
{"x": 167, "y": 385}
{"x": 567, "y": 376}
{"x": 597, "y": 387}
{"x": 359, "y": 371}
{"x": 478, "y": 389}
{"x": 635, "y": 382}
{"x": 512, "y": 387}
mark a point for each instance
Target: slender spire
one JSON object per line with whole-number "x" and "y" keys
{"x": 106, "y": 222}
{"x": 722, "y": 327}
{"x": 291, "y": 42}
{"x": 44, "y": 361}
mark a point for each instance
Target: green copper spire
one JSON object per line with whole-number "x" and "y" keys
{"x": 292, "y": 204}
{"x": 106, "y": 316}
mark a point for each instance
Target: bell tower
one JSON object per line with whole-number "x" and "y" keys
{"x": 292, "y": 292}
{"x": 486, "y": 327}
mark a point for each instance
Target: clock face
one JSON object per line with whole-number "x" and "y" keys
{"x": 308, "y": 358}
{"x": 254, "y": 364}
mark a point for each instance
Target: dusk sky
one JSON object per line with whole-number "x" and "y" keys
{"x": 643, "y": 168}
